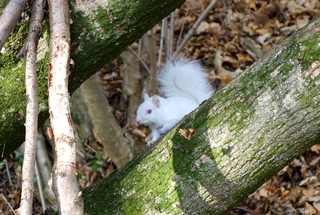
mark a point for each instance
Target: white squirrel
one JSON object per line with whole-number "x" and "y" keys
{"x": 184, "y": 86}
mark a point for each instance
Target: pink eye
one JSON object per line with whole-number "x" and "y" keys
{"x": 149, "y": 111}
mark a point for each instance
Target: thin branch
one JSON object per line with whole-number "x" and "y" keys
{"x": 4, "y": 147}
{"x": 194, "y": 27}
{"x": 182, "y": 27}
{"x": 64, "y": 180}
{"x": 152, "y": 53}
{"x": 9, "y": 18}
{"x": 32, "y": 107}
{"x": 8, "y": 173}
{"x": 166, "y": 38}
{"x": 224, "y": 4}
{"x": 43, "y": 202}
{"x": 171, "y": 34}
{"x": 44, "y": 162}
{"x": 139, "y": 47}
{"x": 4, "y": 198}
{"x": 142, "y": 62}
{"x": 161, "y": 42}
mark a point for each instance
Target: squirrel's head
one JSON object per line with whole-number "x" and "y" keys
{"x": 149, "y": 111}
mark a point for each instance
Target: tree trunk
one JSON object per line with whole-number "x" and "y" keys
{"x": 245, "y": 133}
{"x": 119, "y": 148}
{"x": 99, "y": 33}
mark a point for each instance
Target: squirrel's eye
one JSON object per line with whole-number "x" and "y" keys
{"x": 149, "y": 111}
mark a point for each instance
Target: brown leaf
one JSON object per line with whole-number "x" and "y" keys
{"x": 262, "y": 31}
{"x": 316, "y": 148}
{"x": 297, "y": 163}
{"x": 314, "y": 199}
{"x": 15, "y": 196}
{"x": 308, "y": 181}
{"x": 295, "y": 8}
{"x": 310, "y": 209}
{"x": 261, "y": 18}
{"x": 284, "y": 192}
{"x": 308, "y": 192}
{"x": 315, "y": 162}
{"x": 202, "y": 27}
{"x": 295, "y": 194}
{"x": 226, "y": 79}
{"x": 192, "y": 133}
{"x": 283, "y": 171}
{"x": 214, "y": 28}
{"x": 138, "y": 132}
{"x": 184, "y": 133}
{"x": 244, "y": 58}
{"x": 231, "y": 48}
{"x": 121, "y": 72}
{"x": 316, "y": 205}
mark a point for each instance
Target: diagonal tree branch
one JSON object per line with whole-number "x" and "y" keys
{"x": 247, "y": 132}
{"x": 120, "y": 149}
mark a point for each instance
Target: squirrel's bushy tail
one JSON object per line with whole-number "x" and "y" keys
{"x": 183, "y": 78}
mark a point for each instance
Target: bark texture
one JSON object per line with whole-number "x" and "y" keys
{"x": 32, "y": 107}
{"x": 64, "y": 181}
{"x": 151, "y": 49}
{"x": 131, "y": 95}
{"x": 9, "y": 18}
{"x": 245, "y": 133}
{"x": 118, "y": 147}
{"x": 101, "y": 30}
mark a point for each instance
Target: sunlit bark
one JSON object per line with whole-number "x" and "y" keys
{"x": 64, "y": 181}
{"x": 9, "y": 18}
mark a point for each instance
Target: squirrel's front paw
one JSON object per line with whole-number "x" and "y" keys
{"x": 150, "y": 143}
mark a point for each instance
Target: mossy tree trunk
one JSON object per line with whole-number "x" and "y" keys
{"x": 101, "y": 30}
{"x": 245, "y": 134}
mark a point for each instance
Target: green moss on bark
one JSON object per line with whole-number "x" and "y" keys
{"x": 3, "y": 4}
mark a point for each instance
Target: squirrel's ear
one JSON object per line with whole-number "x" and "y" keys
{"x": 146, "y": 96}
{"x": 156, "y": 101}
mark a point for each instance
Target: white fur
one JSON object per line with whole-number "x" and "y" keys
{"x": 182, "y": 78}
{"x": 185, "y": 86}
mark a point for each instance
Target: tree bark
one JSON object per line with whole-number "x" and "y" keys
{"x": 30, "y": 57}
{"x": 131, "y": 87}
{"x": 245, "y": 133}
{"x": 9, "y": 18}
{"x": 99, "y": 33}
{"x": 118, "y": 147}
{"x": 64, "y": 171}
